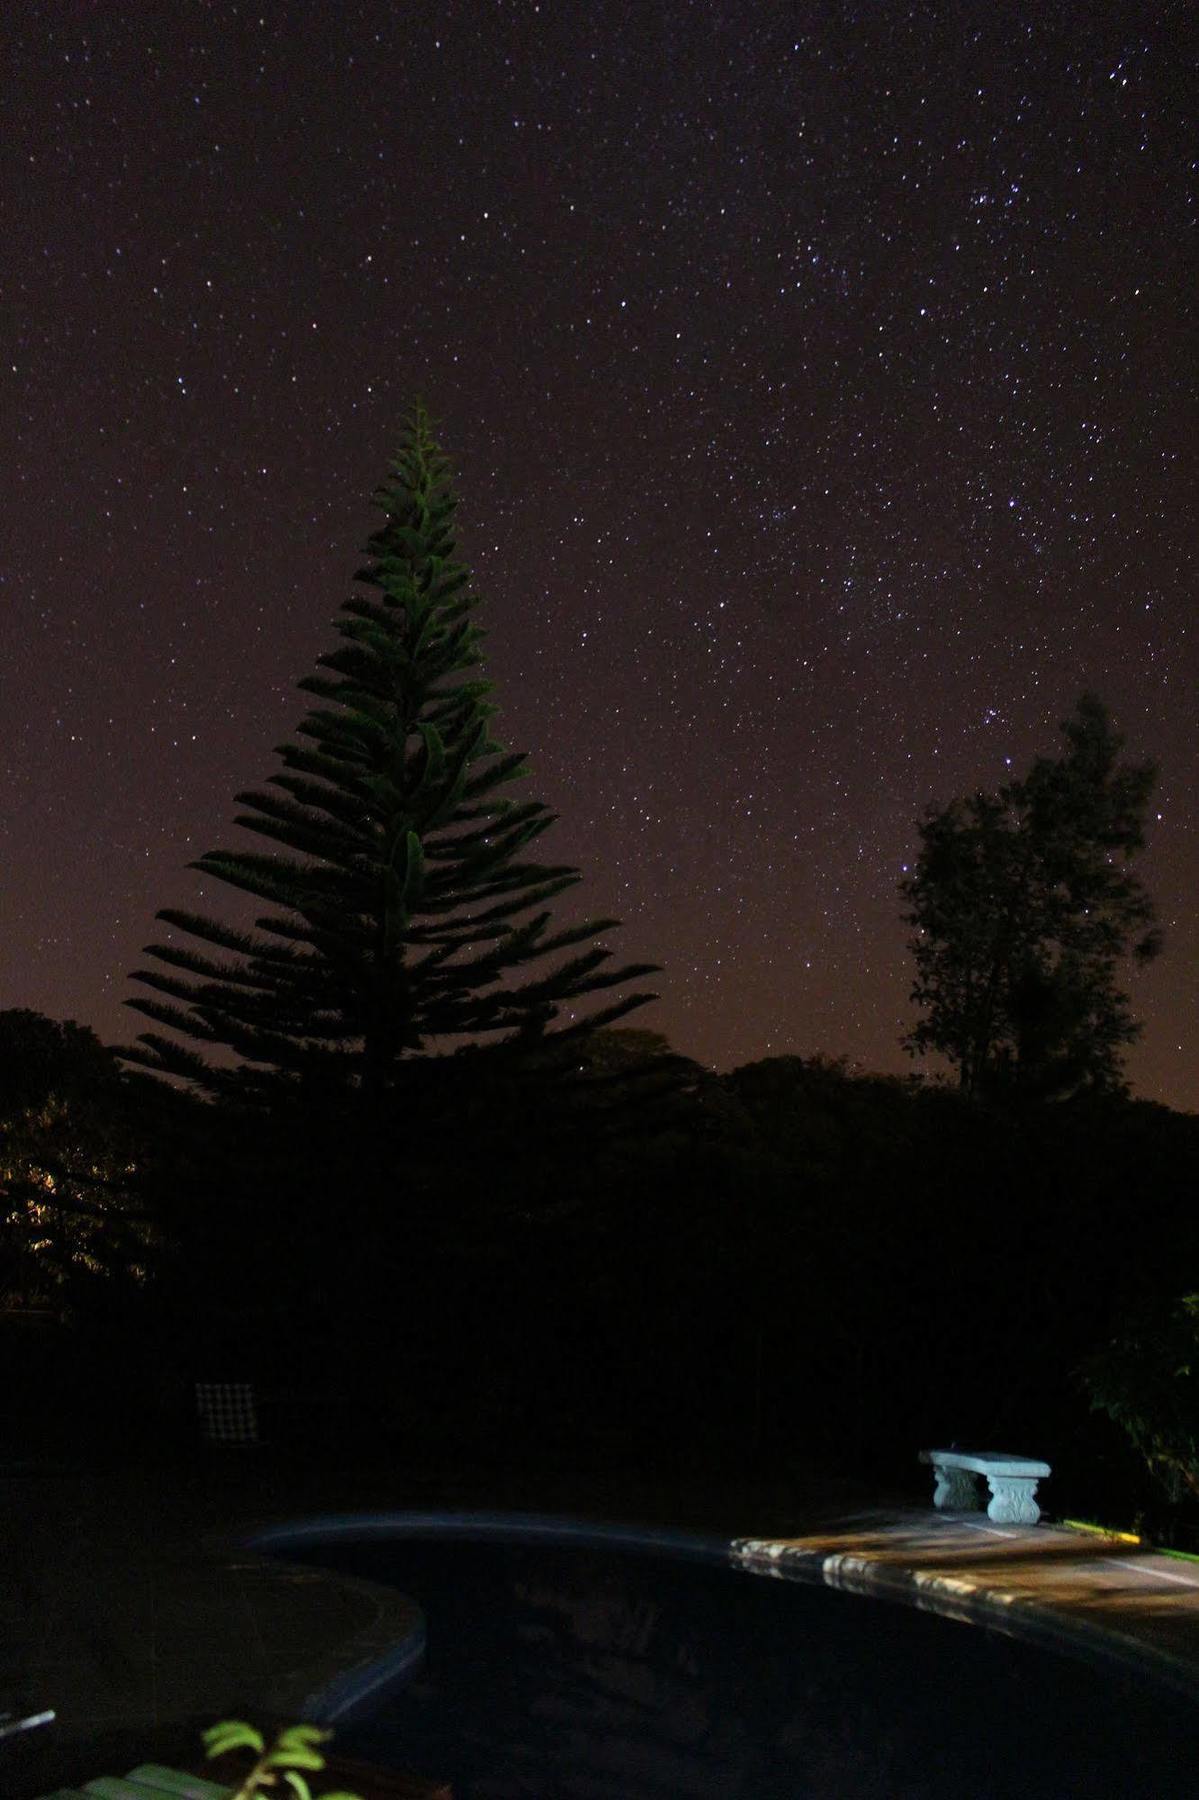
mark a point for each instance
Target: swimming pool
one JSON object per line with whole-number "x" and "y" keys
{"x": 566, "y": 1661}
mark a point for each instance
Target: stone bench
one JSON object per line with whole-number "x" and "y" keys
{"x": 1011, "y": 1479}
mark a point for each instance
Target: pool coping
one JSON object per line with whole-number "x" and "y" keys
{"x": 327, "y": 1688}
{"x": 344, "y": 1680}
{"x": 1016, "y": 1614}
{"x": 335, "y": 1690}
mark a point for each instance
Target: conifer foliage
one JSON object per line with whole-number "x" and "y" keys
{"x": 404, "y": 913}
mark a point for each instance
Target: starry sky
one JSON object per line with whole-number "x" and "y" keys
{"x": 819, "y": 380}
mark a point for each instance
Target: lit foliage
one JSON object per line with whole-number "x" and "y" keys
{"x": 288, "y": 1761}
{"x": 403, "y": 908}
{"x": 1024, "y": 904}
{"x": 67, "y": 1163}
{"x": 1147, "y": 1382}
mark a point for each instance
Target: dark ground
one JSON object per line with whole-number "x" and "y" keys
{"x": 120, "y": 1610}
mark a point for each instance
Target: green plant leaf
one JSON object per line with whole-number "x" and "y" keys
{"x": 297, "y": 1758}
{"x": 232, "y": 1734}
{"x": 298, "y": 1785}
{"x": 302, "y": 1737}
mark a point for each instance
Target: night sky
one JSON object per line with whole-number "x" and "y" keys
{"x": 820, "y": 385}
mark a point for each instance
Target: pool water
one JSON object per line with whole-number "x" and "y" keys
{"x": 591, "y": 1670}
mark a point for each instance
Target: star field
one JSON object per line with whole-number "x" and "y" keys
{"x": 820, "y": 381}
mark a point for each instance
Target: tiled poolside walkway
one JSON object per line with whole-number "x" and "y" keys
{"x": 1103, "y": 1595}
{"x": 117, "y": 1611}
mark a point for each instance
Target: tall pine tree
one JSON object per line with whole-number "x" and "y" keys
{"x": 403, "y": 910}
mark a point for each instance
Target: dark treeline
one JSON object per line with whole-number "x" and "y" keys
{"x": 791, "y": 1264}
{"x": 389, "y": 1155}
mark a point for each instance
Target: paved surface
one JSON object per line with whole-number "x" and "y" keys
{"x": 119, "y": 1610}
{"x": 1102, "y": 1595}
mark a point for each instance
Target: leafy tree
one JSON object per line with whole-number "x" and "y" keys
{"x": 403, "y": 911}
{"x": 69, "y": 1152}
{"x": 1024, "y": 904}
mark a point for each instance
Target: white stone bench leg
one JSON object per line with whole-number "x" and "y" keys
{"x": 956, "y": 1490}
{"x": 1013, "y": 1500}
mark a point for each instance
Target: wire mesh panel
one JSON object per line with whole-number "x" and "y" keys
{"x": 227, "y": 1412}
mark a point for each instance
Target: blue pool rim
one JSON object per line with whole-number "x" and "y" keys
{"x": 352, "y": 1694}
{"x": 490, "y": 1527}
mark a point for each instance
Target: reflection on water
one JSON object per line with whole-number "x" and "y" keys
{"x": 571, "y": 1674}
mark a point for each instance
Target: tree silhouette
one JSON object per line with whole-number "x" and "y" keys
{"x": 403, "y": 911}
{"x": 1024, "y": 904}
